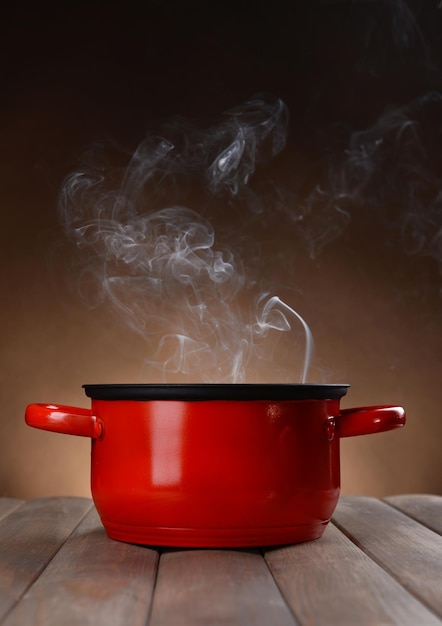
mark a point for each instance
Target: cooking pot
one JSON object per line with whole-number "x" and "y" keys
{"x": 215, "y": 465}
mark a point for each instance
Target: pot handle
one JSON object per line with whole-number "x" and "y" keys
{"x": 69, "y": 420}
{"x": 369, "y": 419}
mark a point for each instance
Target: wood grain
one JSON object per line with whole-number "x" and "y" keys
{"x": 374, "y": 565}
{"x": 425, "y": 508}
{"x": 217, "y": 587}
{"x": 330, "y": 581}
{"x": 91, "y": 580}
{"x": 7, "y": 505}
{"x": 408, "y": 550}
{"x": 29, "y": 537}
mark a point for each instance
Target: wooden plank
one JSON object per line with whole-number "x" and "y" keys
{"x": 408, "y": 550}
{"x": 425, "y": 508}
{"x": 331, "y": 581}
{"x": 29, "y": 537}
{"x": 7, "y": 505}
{"x": 207, "y": 587}
{"x": 91, "y": 580}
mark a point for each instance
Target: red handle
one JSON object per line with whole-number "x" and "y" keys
{"x": 64, "y": 419}
{"x": 369, "y": 419}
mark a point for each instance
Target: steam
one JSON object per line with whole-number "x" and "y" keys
{"x": 194, "y": 292}
{"x": 374, "y": 166}
{"x": 164, "y": 231}
{"x": 402, "y": 144}
{"x": 385, "y": 175}
{"x": 162, "y": 267}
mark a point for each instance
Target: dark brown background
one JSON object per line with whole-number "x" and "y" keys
{"x": 75, "y": 74}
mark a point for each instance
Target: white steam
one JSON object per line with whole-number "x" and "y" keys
{"x": 161, "y": 265}
{"x": 387, "y": 176}
{"x": 402, "y": 144}
{"x": 164, "y": 237}
{"x": 391, "y": 170}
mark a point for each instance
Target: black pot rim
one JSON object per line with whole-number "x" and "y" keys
{"x": 203, "y": 392}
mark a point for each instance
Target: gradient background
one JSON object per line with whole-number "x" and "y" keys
{"x": 75, "y": 74}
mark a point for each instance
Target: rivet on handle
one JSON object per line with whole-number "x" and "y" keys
{"x": 330, "y": 427}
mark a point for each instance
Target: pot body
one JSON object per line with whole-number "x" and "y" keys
{"x": 215, "y": 473}
{"x": 211, "y": 472}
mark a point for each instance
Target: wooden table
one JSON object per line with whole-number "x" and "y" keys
{"x": 379, "y": 562}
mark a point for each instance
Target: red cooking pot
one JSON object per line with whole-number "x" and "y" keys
{"x": 215, "y": 465}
